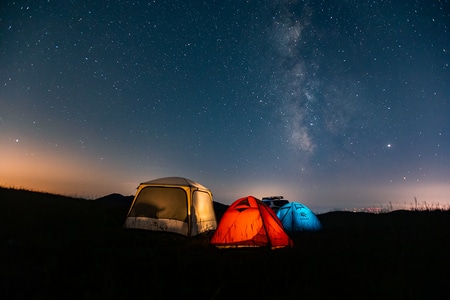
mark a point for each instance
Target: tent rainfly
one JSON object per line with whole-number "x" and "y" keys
{"x": 248, "y": 222}
{"x": 172, "y": 204}
{"x": 298, "y": 217}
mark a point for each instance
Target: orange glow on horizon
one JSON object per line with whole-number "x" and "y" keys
{"x": 58, "y": 172}
{"x": 62, "y": 171}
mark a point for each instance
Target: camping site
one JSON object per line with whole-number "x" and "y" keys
{"x": 57, "y": 247}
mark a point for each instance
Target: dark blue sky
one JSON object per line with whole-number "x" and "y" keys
{"x": 335, "y": 104}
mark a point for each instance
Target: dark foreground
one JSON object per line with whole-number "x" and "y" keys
{"x": 54, "y": 247}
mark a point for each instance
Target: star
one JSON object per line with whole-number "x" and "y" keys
{"x": 205, "y": 89}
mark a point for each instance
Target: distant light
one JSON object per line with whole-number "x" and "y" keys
{"x": 389, "y": 145}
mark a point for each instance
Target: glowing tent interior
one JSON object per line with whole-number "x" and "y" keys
{"x": 173, "y": 204}
{"x": 248, "y": 222}
{"x": 297, "y": 217}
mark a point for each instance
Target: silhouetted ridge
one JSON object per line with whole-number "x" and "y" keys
{"x": 115, "y": 198}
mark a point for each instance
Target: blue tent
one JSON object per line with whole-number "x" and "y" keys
{"x": 297, "y": 217}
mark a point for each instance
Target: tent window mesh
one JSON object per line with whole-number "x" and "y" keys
{"x": 161, "y": 203}
{"x": 244, "y": 203}
{"x": 202, "y": 208}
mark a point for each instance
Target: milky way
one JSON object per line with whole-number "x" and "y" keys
{"x": 335, "y": 104}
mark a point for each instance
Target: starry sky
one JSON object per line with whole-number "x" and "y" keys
{"x": 334, "y": 104}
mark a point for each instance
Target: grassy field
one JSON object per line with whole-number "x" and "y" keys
{"x": 67, "y": 248}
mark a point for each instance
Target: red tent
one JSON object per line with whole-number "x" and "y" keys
{"x": 248, "y": 222}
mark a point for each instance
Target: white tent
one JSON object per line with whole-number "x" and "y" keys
{"x": 173, "y": 204}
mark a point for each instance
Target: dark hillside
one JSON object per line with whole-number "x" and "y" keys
{"x": 114, "y": 207}
{"x": 220, "y": 209}
{"x": 26, "y": 211}
{"x": 55, "y": 247}
{"x": 402, "y": 223}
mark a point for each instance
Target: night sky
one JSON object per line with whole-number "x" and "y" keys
{"x": 335, "y": 104}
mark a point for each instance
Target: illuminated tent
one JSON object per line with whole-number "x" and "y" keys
{"x": 248, "y": 222}
{"x": 297, "y": 217}
{"x": 173, "y": 204}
